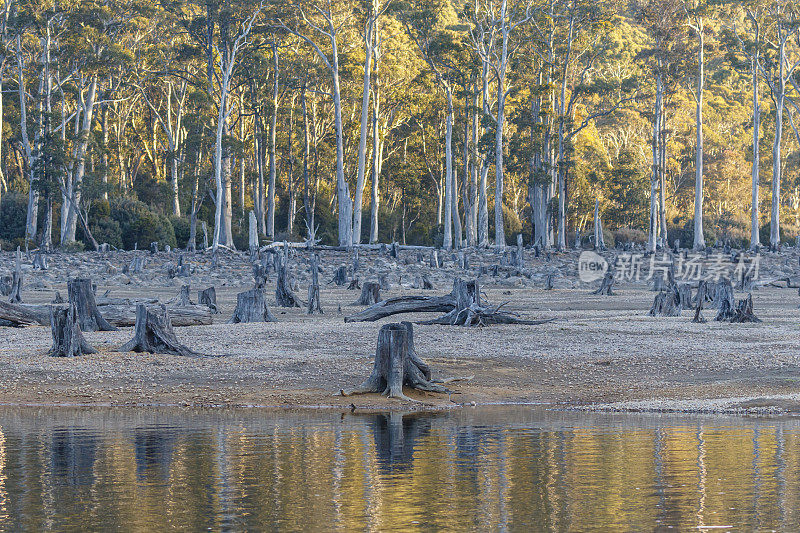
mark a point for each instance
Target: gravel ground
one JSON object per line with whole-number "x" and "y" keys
{"x": 600, "y": 353}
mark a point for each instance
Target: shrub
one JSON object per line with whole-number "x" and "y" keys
{"x": 107, "y": 230}
{"x": 181, "y": 228}
{"x": 626, "y": 235}
{"x": 138, "y": 225}
{"x": 13, "y": 212}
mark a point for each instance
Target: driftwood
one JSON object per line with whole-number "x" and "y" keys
{"x": 154, "y": 334}
{"x": 314, "y": 304}
{"x": 68, "y": 340}
{"x": 251, "y": 306}
{"x": 607, "y": 285}
{"x": 397, "y": 364}
{"x": 208, "y": 297}
{"x": 82, "y": 297}
{"x": 191, "y": 315}
{"x": 370, "y": 294}
{"x": 404, "y": 304}
{"x": 469, "y": 311}
{"x": 16, "y": 315}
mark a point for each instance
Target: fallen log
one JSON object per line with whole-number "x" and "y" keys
{"x": 17, "y": 315}
{"x": 190, "y": 315}
{"x": 404, "y": 304}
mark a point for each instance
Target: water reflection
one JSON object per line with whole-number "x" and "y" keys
{"x": 484, "y": 469}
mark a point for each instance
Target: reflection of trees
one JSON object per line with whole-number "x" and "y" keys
{"x": 72, "y": 456}
{"x": 154, "y": 447}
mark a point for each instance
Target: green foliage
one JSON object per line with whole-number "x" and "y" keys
{"x": 13, "y": 210}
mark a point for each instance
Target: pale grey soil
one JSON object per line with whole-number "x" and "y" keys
{"x": 600, "y": 351}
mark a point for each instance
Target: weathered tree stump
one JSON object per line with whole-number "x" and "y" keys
{"x": 68, "y": 340}
{"x": 744, "y": 311}
{"x": 701, "y": 299}
{"x": 283, "y": 289}
{"x": 684, "y": 295}
{"x": 183, "y": 270}
{"x": 153, "y": 333}
{"x": 208, "y": 297}
{"x": 724, "y": 301}
{"x": 261, "y": 271}
{"x": 666, "y": 303}
{"x": 5, "y": 285}
{"x": 606, "y": 286}
{"x": 135, "y": 266}
{"x": 80, "y": 295}
{"x": 15, "y": 294}
{"x": 314, "y": 304}
{"x": 370, "y": 294}
{"x": 340, "y": 277}
{"x": 40, "y": 261}
{"x": 702, "y": 295}
{"x": 153, "y": 247}
{"x": 355, "y": 261}
{"x": 424, "y": 283}
{"x": 355, "y": 284}
{"x": 383, "y": 281}
{"x": 183, "y": 297}
{"x": 395, "y": 252}
{"x": 396, "y": 364}
{"x": 434, "y": 259}
{"x": 251, "y": 306}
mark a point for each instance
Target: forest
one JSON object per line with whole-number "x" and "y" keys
{"x": 427, "y": 122}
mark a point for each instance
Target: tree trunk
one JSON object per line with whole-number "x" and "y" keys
{"x": 68, "y": 340}
{"x": 272, "y": 142}
{"x": 699, "y": 241}
{"x": 208, "y": 297}
{"x": 251, "y": 306}
{"x": 82, "y": 297}
{"x": 314, "y": 304}
{"x": 755, "y": 241}
{"x": 370, "y": 294}
{"x": 153, "y": 333}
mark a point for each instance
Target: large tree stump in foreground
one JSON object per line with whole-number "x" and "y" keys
{"x": 68, "y": 340}
{"x": 251, "y": 306}
{"x": 370, "y": 294}
{"x": 82, "y": 297}
{"x": 208, "y": 297}
{"x": 397, "y": 364}
{"x": 153, "y": 333}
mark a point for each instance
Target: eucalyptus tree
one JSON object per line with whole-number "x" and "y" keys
{"x": 320, "y": 25}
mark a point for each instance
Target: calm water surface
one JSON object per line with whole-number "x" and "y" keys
{"x": 516, "y": 469}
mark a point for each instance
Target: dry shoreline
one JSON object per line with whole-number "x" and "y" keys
{"x": 601, "y": 353}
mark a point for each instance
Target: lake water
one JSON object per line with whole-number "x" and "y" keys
{"x": 484, "y": 469}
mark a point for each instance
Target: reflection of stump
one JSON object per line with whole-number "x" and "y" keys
{"x": 396, "y": 364}
{"x": 82, "y": 297}
{"x": 68, "y": 340}
{"x": 251, "y": 307}
{"x": 208, "y": 297}
{"x": 154, "y": 334}
{"x": 370, "y": 293}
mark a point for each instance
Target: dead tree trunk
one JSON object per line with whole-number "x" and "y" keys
{"x": 283, "y": 289}
{"x": 340, "y": 278}
{"x": 15, "y": 295}
{"x": 208, "y": 297}
{"x": 153, "y": 333}
{"x": 723, "y": 300}
{"x": 744, "y": 311}
{"x": 606, "y": 285}
{"x": 251, "y": 306}
{"x": 82, "y": 297}
{"x": 314, "y": 304}
{"x": 684, "y": 295}
{"x": 370, "y": 294}
{"x": 666, "y": 303}
{"x": 183, "y": 297}
{"x": 68, "y": 340}
{"x": 396, "y": 364}
{"x": 701, "y": 299}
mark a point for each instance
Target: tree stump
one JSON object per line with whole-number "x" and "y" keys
{"x": 354, "y": 284}
{"x": 40, "y": 261}
{"x": 701, "y": 299}
{"x": 15, "y": 294}
{"x": 434, "y": 259}
{"x": 340, "y": 277}
{"x": 5, "y": 285}
{"x": 724, "y": 301}
{"x": 383, "y": 281}
{"x": 153, "y": 247}
{"x": 355, "y": 261}
{"x": 314, "y": 304}
{"x": 606, "y": 285}
{"x": 183, "y": 270}
{"x": 702, "y": 295}
{"x": 283, "y": 290}
{"x": 370, "y": 294}
{"x": 251, "y": 306}
{"x": 685, "y": 295}
{"x": 397, "y": 364}
{"x": 666, "y": 303}
{"x": 153, "y": 333}
{"x": 395, "y": 252}
{"x": 208, "y": 297}
{"x": 183, "y": 297}
{"x": 68, "y": 340}
{"x": 135, "y": 266}
{"x": 80, "y": 295}
{"x": 744, "y": 311}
